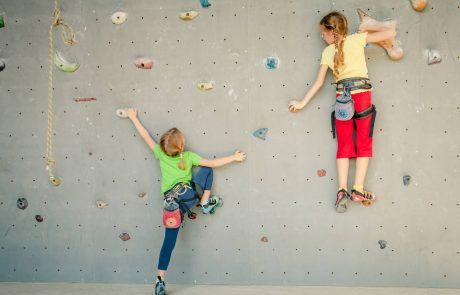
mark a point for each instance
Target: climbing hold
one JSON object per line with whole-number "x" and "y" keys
{"x": 261, "y": 133}
{"x": 434, "y": 57}
{"x": 205, "y": 3}
{"x": 83, "y": 99}
{"x": 264, "y": 239}
{"x": 143, "y": 63}
{"x": 383, "y": 244}
{"x": 321, "y": 172}
{"x": 368, "y": 24}
{"x": 2, "y": 64}
{"x": 271, "y": 62}
{"x": 122, "y": 113}
{"x": 2, "y": 21}
{"x": 419, "y": 5}
{"x": 55, "y": 180}
{"x": 38, "y": 218}
{"x": 205, "y": 85}
{"x": 124, "y": 237}
{"x": 142, "y": 194}
{"x": 101, "y": 204}
{"x": 22, "y": 203}
{"x": 406, "y": 180}
{"x": 119, "y": 17}
{"x": 64, "y": 65}
{"x": 188, "y": 15}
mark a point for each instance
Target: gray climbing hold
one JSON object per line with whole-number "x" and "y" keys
{"x": 261, "y": 133}
{"x": 383, "y": 244}
{"x": 271, "y": 63}
{"x": 38, "y": 218}
{"x": 124, "y": 237}
{"x": 2, "y": 64}
{"x": 434, "y": 57}
{"x": 22, "y": 203}
{"x": 406, "y": 180}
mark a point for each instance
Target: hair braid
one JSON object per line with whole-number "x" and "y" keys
{"x": 339, "y": 56}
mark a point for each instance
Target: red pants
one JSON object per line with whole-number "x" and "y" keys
{"x": 346, "y": 147}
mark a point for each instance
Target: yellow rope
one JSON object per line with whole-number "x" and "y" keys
{"x": 68, "y": 36}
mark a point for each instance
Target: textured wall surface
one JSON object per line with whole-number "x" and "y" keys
{"x": 275, "y": 194}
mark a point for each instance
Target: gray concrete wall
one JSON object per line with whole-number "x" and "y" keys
{"x": 275, "y": 194}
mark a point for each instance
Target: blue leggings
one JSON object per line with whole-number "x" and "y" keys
{"x": 203, "y": 178}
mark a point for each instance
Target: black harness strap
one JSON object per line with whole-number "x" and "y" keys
{"x": 360, "y": 115}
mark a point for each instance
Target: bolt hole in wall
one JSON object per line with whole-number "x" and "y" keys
{"x": 230, "y": 68}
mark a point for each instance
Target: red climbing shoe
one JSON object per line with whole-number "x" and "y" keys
{"x": 341, "y": 202}
{"x": 366, "y": 198}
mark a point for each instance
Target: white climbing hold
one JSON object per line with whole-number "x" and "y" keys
{"x": 188, "y": 15}
{"x": 122, "y": 113}
{"x": 101, "y": 204}
{"x": 119, "y": 17}
{"x": 205, "y": 85}
{"x": 434, "y": 57}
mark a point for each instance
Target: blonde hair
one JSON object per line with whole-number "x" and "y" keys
{"x": 172, "y": 143}
{"x": 338, "y": 23}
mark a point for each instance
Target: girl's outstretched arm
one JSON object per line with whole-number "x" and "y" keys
{"x": 295, "y": 105}
{"x": 380, "y": 36}
{"x": 236, "y": 157}
{"x": 132, "y": 114}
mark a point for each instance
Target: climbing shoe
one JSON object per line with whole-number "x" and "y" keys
{"x": 341, "y": 202}
{"x": 160, "y": 287}
{"x": 366, "y": 198}
{"x": 213, "y": 203}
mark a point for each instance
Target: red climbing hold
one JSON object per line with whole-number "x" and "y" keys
{"x": 321, "y": 172}
{"x": 124, "y": 237}
{"x": 143, "y": 63}
{"x": 264, "y": 239}
{"x": 84, "y": 99}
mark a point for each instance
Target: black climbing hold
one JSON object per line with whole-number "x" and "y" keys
{"x": 2, "y": 64}
{"x": 124, "y": 237}
{"x": 383, "y": 244}
{"x": 261, "y": 133}
{"x": 38, "y": 218}
{"x": 406, "y": 180}
{"x": 22, "y": 203}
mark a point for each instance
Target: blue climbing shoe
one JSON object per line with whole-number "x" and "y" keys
{"x": 160, "y": 287}
{"x": 213, "y": 203}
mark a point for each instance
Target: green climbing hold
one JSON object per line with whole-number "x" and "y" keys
{"x": 261, "y": 133}
{"x": 63, "y": 64}
{"x": 2, "y": 21}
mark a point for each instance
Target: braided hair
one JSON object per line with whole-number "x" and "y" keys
{"x": 172, "y": 143}
{"x": 338, "y": 23}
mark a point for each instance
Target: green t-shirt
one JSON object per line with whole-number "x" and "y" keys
{"x": 171, "y": 174}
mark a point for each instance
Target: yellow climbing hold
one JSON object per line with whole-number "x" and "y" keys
{"x": 205, "y": 86}
{"x": 188, "y": 15}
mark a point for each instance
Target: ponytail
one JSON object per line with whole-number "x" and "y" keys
{"x": 181, "y": 164}
{"x": 172, "y": 143}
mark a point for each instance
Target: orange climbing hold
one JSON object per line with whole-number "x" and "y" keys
{"x": 419, "y": 5}
{"x": 143, "y": 63}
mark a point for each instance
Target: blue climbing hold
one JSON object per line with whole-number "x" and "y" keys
{"x": 261, "y": 133}
{"x": 22, "y": 203}
{"x": 406, "y": 180}
{"x": 205, "y": 3}
{"x": 271, "y": 63}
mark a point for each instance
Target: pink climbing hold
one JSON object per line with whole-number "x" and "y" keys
{"x": 125, "y": 237}
{"x": 321, "y": 172}
{"x": 144, "y": 63}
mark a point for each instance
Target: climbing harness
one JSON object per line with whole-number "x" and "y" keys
{"x": 68, "y": 37}
{"x": 344, "y": 106}
{"x": 174, "y": 205}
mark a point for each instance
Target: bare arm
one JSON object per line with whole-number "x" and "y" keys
{"x": 132, "y": 114}
{"x": 295, "y": 106}
{"x": 380, "y": 36}
{"x": 236, "y": 157}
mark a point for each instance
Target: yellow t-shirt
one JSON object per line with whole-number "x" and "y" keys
{"x": 354, "y": 59}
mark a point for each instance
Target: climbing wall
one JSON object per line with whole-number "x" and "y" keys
{"x": 278, "y": 225}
